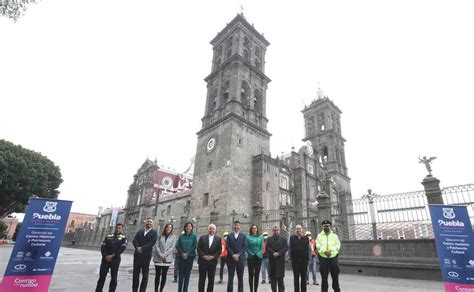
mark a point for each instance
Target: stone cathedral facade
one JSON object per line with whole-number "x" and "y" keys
{"x": 235, "y": 176}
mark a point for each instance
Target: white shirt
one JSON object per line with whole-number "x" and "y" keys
{"x": 211, "y": 238}
{"x": 236, "y": 234}
{"x": 146, "y": 231}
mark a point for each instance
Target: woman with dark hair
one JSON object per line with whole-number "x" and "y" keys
{"x": 254, "y": 256}
{"x": 163, "y": 256}
{"x": 186, "y": 247}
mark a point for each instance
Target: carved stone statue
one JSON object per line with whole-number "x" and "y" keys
{"x": 427, "y": 163}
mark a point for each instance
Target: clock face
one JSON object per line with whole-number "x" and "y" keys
{"x": 167, "y": 182}
{"x": 211, "y": 144}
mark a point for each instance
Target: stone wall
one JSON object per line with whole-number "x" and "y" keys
{"x": 409, "y": 259}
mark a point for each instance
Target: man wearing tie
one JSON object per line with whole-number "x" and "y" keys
{"x": 236, "y": 247}
{"x": 143, "y": 242}
{"x": 209, "y": 249}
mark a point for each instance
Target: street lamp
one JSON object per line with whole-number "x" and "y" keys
{"x": 195, "y": 220}
{"x": 370, "y": 196}
{"x": 234, "y": 214}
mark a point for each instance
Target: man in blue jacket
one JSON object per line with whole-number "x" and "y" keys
{"x": 236, "y": 247}
{"x": 143, "y": 242}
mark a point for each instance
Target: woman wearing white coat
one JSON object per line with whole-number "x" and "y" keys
{"x": 163, "y": 255}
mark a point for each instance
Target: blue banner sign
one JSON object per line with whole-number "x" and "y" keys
{"x": 37, "y": 245}
{"x": 455, "y": 246}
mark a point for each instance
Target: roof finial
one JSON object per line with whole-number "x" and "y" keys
{"x": 241, "y": 9}
{"x": 320, "y": 92}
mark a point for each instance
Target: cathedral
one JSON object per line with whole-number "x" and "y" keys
{"x": 234, "y": 176}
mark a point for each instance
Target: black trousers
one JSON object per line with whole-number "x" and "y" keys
{"x": 232, "y": 265}
{"x": 104, "y": 269}
{"x": 141, "y": 263}
{"x": 254, "y": 264}
{"x": 185, "y": 268}
{"x": 326, "y": 266}
{"x": 160, "y": 271}
{"x": 300, "y": 268}
{"x": 221, "y": 273}
{"x": 281, "y": 284}
{"x": 207, "y": 269}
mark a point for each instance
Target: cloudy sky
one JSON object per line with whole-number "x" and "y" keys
{"x": 99, "y": 86}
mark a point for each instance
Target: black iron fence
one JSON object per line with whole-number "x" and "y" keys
{"x": 400, "y": 215}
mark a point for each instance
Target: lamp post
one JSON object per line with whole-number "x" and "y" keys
{"x": 370, "y": 196}
{"x": 234, "y": 214}
{"x": 195, "y": 220}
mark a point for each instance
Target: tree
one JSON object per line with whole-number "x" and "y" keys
{"x": 3, "y": 229}
{"x": 23, "y": 174}
{"x": 14, "y": 8}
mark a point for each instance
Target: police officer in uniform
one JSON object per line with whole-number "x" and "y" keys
{"x": 112, "y": 246}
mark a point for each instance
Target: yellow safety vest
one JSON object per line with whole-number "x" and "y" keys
{"x": 328, "y": 242}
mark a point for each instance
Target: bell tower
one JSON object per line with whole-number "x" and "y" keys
{"x": 323, "y": 129}
{"x": 234, "y": 125}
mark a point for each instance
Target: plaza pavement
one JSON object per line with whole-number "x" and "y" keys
{"x": 78, "y": 270}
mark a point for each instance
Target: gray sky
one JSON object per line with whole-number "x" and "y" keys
{"x": 99, "y": 86}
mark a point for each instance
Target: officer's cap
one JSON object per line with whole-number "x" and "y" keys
{"x": 326, "y": 222}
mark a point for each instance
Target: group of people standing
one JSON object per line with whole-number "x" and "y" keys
{"x": 236, "y": 249}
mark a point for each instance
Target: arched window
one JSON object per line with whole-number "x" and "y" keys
{"x": 257, "y": 100}
{"x": 246, "y": 43}
{"x": 229, "y": 41}
{"x": 225, "y": 92}
{"x": 325, "y": 154}
{"x": 245, "y": 93}
{"x": 212, "y": 101}
{"x": 228, "y": 47}
{"x": 246, "y": 56}
{"x": 258, "y": 52}
{"x": 258, "y": 64}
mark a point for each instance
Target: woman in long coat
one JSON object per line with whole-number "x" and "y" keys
{"x": 164, "y": 255}
{"x": 277, "y": 246}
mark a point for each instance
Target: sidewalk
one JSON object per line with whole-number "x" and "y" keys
{"x": 78, "y": 270}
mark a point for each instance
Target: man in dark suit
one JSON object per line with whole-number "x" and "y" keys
{"x": 300, "y": 252}
{"x": 143, "y": 242}
{"x": 277, "y": 246}
{"x": 209, "y": 249}
{"x": 236, "y": 248}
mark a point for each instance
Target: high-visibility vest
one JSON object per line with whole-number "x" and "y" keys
{"x": 329, "y": 242}
{"x": 224, "y": 248}
{"x": 312, "y": 242}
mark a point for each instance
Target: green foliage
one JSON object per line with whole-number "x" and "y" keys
{"x": 3, "y": 228}
{"x": 23, "y": 174}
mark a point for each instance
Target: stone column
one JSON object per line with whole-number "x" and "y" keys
{"x": 432, "y": 190}
{"x": 257, "y": 213}
{"x": 324, "y": 207}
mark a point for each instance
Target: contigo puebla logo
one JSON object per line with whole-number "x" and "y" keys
{"x": 50, "y": 206}
{"x": 46, "y": 216}
{"x": 448, "y": 213}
